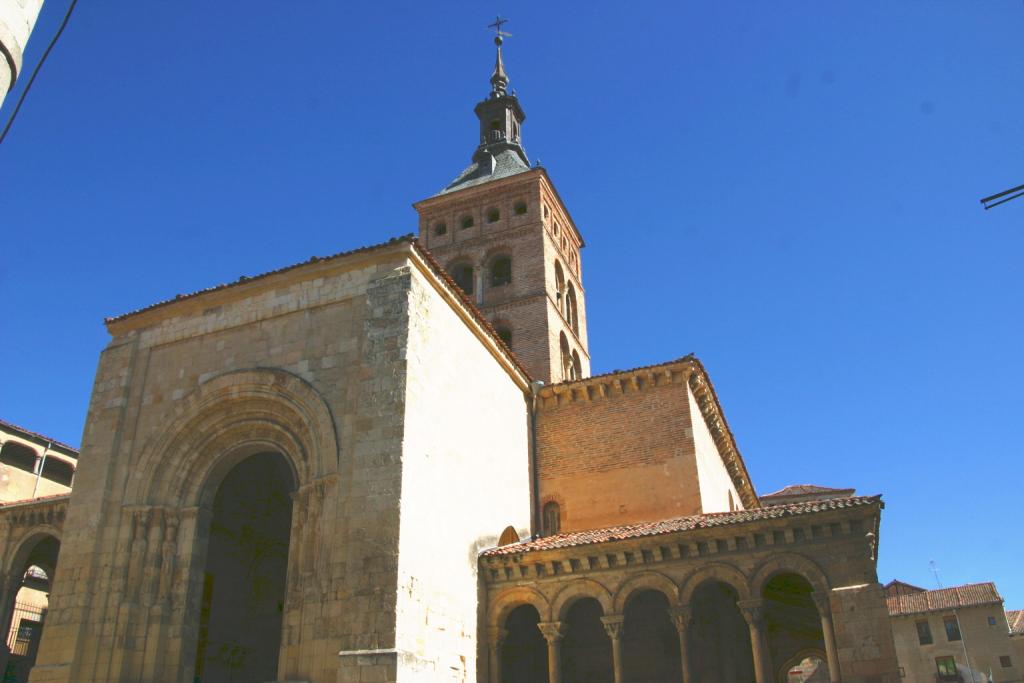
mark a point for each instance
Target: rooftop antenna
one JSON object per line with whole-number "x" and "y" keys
{"x": 935, "y": 571}
{"x": 989, "y": 202}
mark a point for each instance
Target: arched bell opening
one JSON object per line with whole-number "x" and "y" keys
{"x": 247, "y": 538}
{"x": 719, "y": 638}
{"x": 586, "y": 650}
{"x": 650, "y": 641}
{"x": 524, "y": 655}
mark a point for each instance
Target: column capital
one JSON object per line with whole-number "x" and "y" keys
{"x": 821, "y": 601}
{"x": 752, "y": 611}
{"x": 613, "y": 625}
{"x": 681, "y": 616}
{"x": 553, "y": 631}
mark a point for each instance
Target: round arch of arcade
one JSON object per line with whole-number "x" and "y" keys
{"x": 225, "y": 420}
{"x": 680, "y": 605}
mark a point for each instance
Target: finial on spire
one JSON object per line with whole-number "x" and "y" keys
{"x": 499, "y": 79}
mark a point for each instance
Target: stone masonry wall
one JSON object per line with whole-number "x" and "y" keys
{"x": 309, "y": 363}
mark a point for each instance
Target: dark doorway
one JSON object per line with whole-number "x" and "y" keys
{"x": 244, "y": 580}
{"x": 524, "y": 652}
{"x": 25, "y": 612}
{"x": 650, "y": 641}
{"x": 586, "y": 648}
{"x": 793, "y": 623}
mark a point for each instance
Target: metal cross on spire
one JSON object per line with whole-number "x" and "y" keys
{"x": 499, "y": 21}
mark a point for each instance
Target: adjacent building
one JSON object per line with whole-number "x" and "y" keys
{"x": 959, "y": 634}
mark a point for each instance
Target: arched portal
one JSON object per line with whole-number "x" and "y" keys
{"x": 650, "y": 642}
{"x": 793, "y": 624}
{"x": 586, "y": 649}
{"x": 26, "y": 605}
{"x": 719, "y": 638}
{"x": 243, "y": 587}
{"x": 524, "y": 654}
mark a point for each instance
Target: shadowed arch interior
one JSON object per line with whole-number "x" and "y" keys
{"x": 243, "y": 587}
{"x": 650, "y": 641}
{"x": 26, "y": 601}
{"x": 586, "y": 651}
{"x": 524, "y": 655}
{"x": 792, "y": 619}
{"x": 719, "y": 638}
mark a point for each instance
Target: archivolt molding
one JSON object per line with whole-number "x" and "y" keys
{"x": 719, "y": 571}
{"x": 226, "y": 419}
{"x": 507, "y": 601}
{"x": 785, "y": 563}
{"x": 20, "y": 549}
{"x": 645, "y": 581}
{"x": 577, "y": 590}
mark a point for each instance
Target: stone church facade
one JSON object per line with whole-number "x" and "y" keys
{"x": 393, "y": 464}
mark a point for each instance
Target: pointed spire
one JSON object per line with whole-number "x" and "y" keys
{"x": 499, "y": 79}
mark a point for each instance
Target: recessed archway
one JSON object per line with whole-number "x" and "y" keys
{"x": 26, "y": 603}
{"x": 586, "y": 650}
{"x": 793, "y": 624}
{"x": 719, "y": 644}
{"x": 650, "y": 641}
{"x": 524, "y": 655}
{"x": 244, "y": 577}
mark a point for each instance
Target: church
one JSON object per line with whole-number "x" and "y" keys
{"x": 394, "y": 464}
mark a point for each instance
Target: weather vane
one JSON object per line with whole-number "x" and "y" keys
{"x": 498, "y": 33}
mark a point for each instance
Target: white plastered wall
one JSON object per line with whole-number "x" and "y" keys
{"x": 465, "y": 477}
{"x": 715, "y": 483}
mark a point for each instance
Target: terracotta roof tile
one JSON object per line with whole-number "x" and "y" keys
{"x": 41, "y": 499}
{"x": 804, "y": 489}
{"x": 10, "y": 426}
{"x": 968, "y": 595}
{"x": 668, "y": 526}
{"x": 1015, "y": 618}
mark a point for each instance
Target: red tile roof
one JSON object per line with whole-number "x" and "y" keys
{"x": 668, "y": 526}
{"x": 968, "y": 595}
{"x": 41, "y": 499}
{"x": 1015, "y": 618}
{"x": 805, "y": 489}
{"x": 36, "y": 436}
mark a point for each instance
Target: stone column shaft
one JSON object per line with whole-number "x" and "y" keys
{"x": 753, "y": 612}
{"x": 553, "y": 632}
{"x": 496, "y": 636}
{"x": 831, "y": 653}
{"x": 681, "y": 617}
{"x": 613, "y": 625}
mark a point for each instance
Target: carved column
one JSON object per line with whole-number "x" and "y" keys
{"x": 753, "y": 612}
{"x": 553, "y": 632}
{"x": 681, "y": 617}
{"x": 495, "y": 637}
{"x": 831, "y": 653}
{"x": 613, "y": 624}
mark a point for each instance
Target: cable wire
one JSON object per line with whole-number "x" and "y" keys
{"x": 35, "y": 72}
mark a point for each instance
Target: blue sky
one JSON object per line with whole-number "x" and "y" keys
{"x": 788, "y": 189}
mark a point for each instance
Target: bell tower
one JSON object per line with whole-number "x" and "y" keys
{"x": 506, "y": 238}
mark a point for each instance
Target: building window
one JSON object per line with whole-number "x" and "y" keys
{"x": 463, "y": 276}
{"x": 946, "y": 666}
{"x": 501, "y": 271}
{"x": 520, "y": 208}
{"x": 505, "y": 335}
{"x": 552, "y": 519}
{"x": 924, "y": 633}
{"x": 467, "y": 222}
{"x": 493, "y": 215}
{"x": 991, "y": 621}
{"x": 441, "y": 229}
{"x": 1004, "y": 661}
{"x": 58, "y": 471}
{"x": 547, "y": 211}
{"x": 952, "y": 628}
